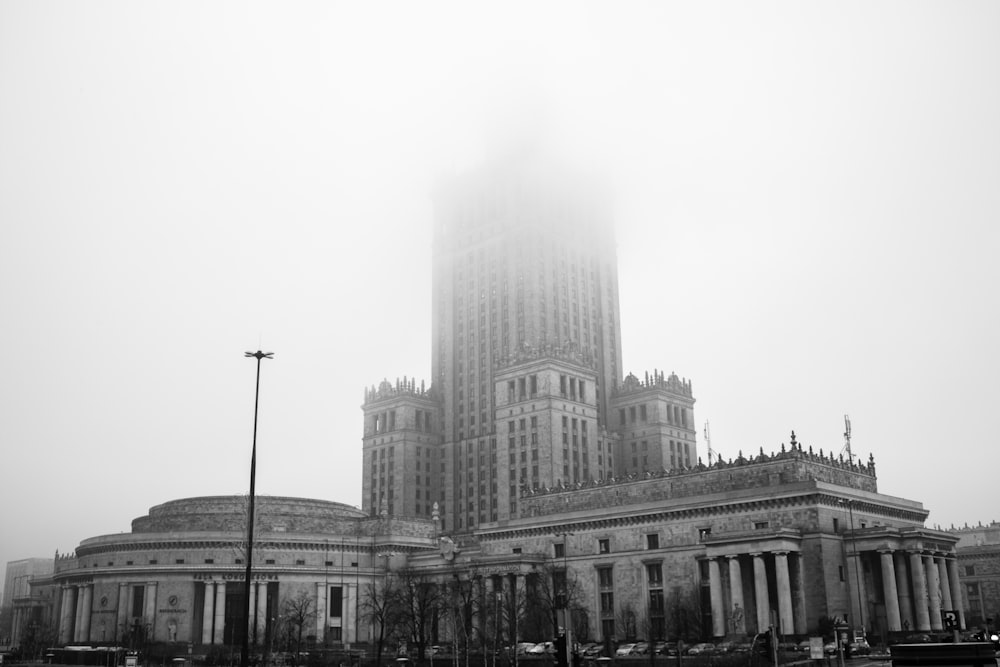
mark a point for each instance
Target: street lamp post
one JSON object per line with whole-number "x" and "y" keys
{"x": 245, "y": 652}
{"x": 857, "y": 563}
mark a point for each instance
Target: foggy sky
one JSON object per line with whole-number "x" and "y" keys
{"x": 806, "y": 204}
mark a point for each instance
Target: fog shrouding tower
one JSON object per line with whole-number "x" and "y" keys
{"x": 526, "y": 389}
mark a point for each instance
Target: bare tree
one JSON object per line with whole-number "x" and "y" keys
{"x": 298, "y": 613}
{"x": 683, "y": 613}
{"x": 557, "y": 588}
{"x": 419, "y": 600}
{"x": 461, "y": 605}
{"x": 35, "y": 638}
{"x": 380, "y": 608}
{"x": 627, "y": 620}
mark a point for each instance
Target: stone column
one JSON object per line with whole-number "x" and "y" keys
{"x": 946, "y": 602}
{"x": 206, "y": 614}
{"x": 87, "y": 606}
{"x": 889, "y": 591}
{"x": 508, "y": 583}
{"x": 956, "y": 590}
{"x": 218, "y": 631}
{"x": 520, "y": 599}
{"x": 78, "y": 616}
{"x": 262, "y": 611}
{"x": 923, "y": 619}
{"x": 121, "y": 617}
{"x": 15, "y": 624}
{"x": 763, "y": 601}
{"x": 787, "y": 625}
{"x": 933, "y": 593}
{"x": 151, "y": 610}
{"x": 903, "y": 589}
{"x": 715, "y": 590}
{"x": 322, "y": 611}
{"x": 736, "y": 596}
{"x": 799, "y": 595}
{"x": 66, "y": 614}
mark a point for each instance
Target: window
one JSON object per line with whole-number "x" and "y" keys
{"x": 300, "y": 562}
{"x": 970, "y": 570}
{"x": 604, "y": 546}
{"x": 336, "y": 601}
{"x": 836, "y": 525}
{"x": 654, "y": 572}
{"x": 652, "y": 541}
{"x": 179, "y": 561}
{"x": 269, "y": 561}
{"x": 840, "y": 572}
{"x": 560, "y": 550}
{"x": 604, "y": 577}
{"x": 704, "y": 533}
{"x": 760, "y": 525}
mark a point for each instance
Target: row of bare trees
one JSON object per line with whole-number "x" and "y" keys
{"x": 411, "y": 609}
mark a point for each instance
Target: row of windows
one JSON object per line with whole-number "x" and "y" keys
{"x": 675, "y": 415}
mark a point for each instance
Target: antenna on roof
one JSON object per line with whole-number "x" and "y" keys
{"x": 708, "y": 442}
{"x": 847, "y": 439}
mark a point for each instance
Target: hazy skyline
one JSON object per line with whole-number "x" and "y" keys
{"x": 806, "y": 200}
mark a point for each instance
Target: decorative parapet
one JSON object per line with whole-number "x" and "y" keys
{"x": 567, "y": 351}
{"x": 659, "y": 380}
{"x": 686, "y": 481}
{"x": 404, "y": 387}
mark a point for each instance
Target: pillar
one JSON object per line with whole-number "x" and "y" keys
{"x": 508, "y": 584}
{"x": 87, "y": 607}
{"x": 889, "y": 592}
{"x": 903, "y": 589}
{"x": 923, "y": 619}
{"x": 799, "y": 595}
{"x": 322, "y": 611}
{"x": 218, "y": 635}
{"x": 66, "y": 614}
{"x": 785, "y": 622}
{"x": 760, "y": 592}
{"x": 78, "y": 616}
{"x": 520, "y": 600}
{"x": 206, "y": 613}
{"x": 715, "y": 589}
{"x": 261, "y": 622}
{"x": 956, "y": 591}
{"x": 151, "y": 610}
{"x": 946, "y": 602}
{"x": 121, "y": 618}
{"x": 933, "y": 593}
{"x": 739, "y": 624}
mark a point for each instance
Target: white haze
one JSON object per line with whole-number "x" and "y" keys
{"x": 806, "y": 197}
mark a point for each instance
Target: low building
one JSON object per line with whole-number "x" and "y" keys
{"x": 792, "y": 540}
{"x": 979, "y": 570}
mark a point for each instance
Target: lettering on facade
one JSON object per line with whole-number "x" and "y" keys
{"x": 172, "y": 610}
{"x": 233, "y": 576}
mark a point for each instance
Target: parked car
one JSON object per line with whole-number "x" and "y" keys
{"x": 702, "y": 649}
{"x": 593, "y": 651}
{"x": 624, "y": 649}
{"x": 542, "y": 649}
{"x": 640, "y": 648}
{"x": 859, "y": 647}
{"x": 524, "y": 647}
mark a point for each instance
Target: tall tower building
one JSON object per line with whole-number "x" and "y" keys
{"x": 526, "y": 359}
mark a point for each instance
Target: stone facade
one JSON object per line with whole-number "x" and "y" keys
{"x": 979, "y": 569}
{"x": 179, "y": 575}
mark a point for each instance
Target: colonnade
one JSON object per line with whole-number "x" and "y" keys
{"x": 916, "y": 587}
{"x": 741, "y": 582}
